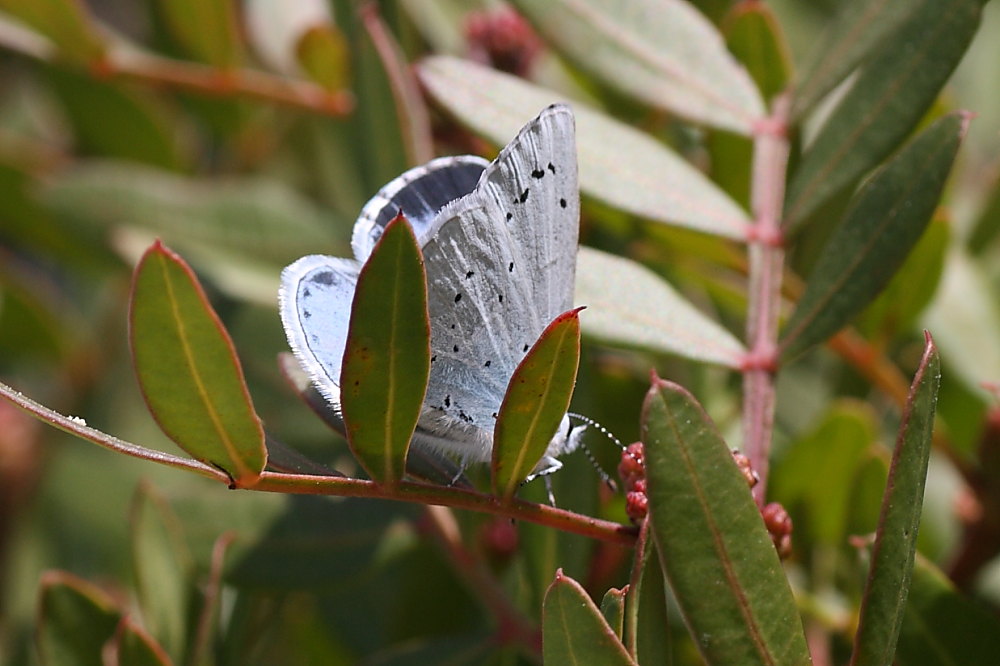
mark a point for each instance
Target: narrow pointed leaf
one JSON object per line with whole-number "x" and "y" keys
{"x": 754, "y": 36}
{"x": 892, "y": 93}
{"x": 884, "y": 601}
{"x": 646, "y": 636}
{"x": 618, "y": 165}
{"x": 860, "y": 27}
{"x": 188, "y": 369}
{"x": 882, "y": 224}
{"x": 943, "y": 627}
{"x": 75, "y": 620}
{"x": 630, "y": 305}
{"x": 537, "y": 398}
{"x": 613, "y": 610}
{"x": 663, "y": 53}
{"x": 573, "y": 630}
{"x": 388, "y": 356}
{"x": 711, "y": 540}
{"x": 207, "y": 29}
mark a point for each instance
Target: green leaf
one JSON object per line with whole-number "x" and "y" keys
{"x": 208, "y": 30}
{"x": 817, "y": 476}
{"x": 188, "y": 369}
{"x": 754, "y": 36}
{"x": 860, "y": 27}
{"x": 613, "y": 610}
{"x": 133, "y": 646}
{"x": 882, "y": 224}
{"x": 941, "y": 626}
{"x": 660, "y": 52}
{"x": 388, "y": 356}
{"x": 912, "y": 288}
{"x": 892, "y": 93}
{"x": 248, "y": 217}
{"x": 324, "y": 54}
{"x": 884, "y": 601}
{"x": 647, "y": 626}
{"x": 987, "y": 226}
{"x": 630, "y": 305}
{"x": 618, "y": 165}
{"x": 75, "y": 620}
{"x": 115, "y": 120}
{"x": 574, "y": 631}
{"x": 711, "y": 540}
{"x": 536, "y": 401}
{"x": 65, "y": 22}
{"x": 163, "y": 569}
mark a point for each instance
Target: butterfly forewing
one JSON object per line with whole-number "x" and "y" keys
{"x": 500, "y": 266}
{"x": 420, "y": 194}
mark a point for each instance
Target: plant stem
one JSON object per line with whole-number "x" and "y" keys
{"x": 423, "y": 493}
{"x": 767, "y": 259}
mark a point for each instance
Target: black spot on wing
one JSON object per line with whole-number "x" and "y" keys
{"x": 324, "y": 278}
{"x": 562, "y": 203}
{"x": 552, "y": 167}
{"x": 458, "y": 297}
{"x": 537, "y": 173}
{"x": 469, "y": 274}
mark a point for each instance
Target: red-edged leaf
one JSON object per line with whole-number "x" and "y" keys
{"x": 536, "y": 401}
{"x": 388, "y": 356}
{"x": 884, "y": 602}
{"x": 573, "y": 629}
{"x": 188, "y": 370}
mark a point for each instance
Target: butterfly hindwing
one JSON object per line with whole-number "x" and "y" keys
{"x": 315, "y": 303}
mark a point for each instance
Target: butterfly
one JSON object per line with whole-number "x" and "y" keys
{"x": 499, "y": 241}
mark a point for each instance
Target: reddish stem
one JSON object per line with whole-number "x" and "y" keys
{"x": 766, "y": 264}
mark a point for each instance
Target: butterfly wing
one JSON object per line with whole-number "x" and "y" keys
{"x": 420, "y": 194}
{"x": 500, "y": 266}
{"x": 315, "y": 303}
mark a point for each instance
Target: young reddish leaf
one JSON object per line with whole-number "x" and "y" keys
{"x": 75, "y": 620}
{"x": 661, "y": 52}
{"x": 207, "y": 29}
{"x": 892, "y": 93}
{"x": 388, "y": 356}
{"x": 536, "y": 401}
{"x": 711, "y": 540}
{"x": 884, "y": 221}
{"x": 65, "y": 22}
{"x": 573, "y": 629}
{"x": 754, "y": 36}
{"x": 884, "y": 601}
{"x": 188, "y": 370}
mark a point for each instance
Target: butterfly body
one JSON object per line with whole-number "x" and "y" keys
{"x": 499, "y": 242}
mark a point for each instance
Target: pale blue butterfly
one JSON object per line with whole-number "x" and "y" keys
{"x": 499, "y": 241}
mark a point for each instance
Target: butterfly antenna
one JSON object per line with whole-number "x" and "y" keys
{"x": 590, "y": 455}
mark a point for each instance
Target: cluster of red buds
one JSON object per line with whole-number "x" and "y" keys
{"x": 632, "y": 471}
{"x": 502, "y": 39}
